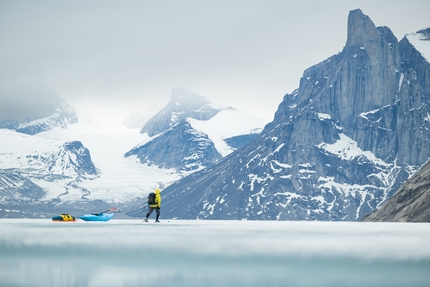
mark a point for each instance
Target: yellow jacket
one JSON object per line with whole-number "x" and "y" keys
{"x": 157, "y": 199}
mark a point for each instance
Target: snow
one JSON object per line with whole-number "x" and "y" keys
{"x": 347, "y": 149}
{"x": 422, "y": 46}
{"x": 402, "y": 76}
{"x": 228, "y": 123}
{"x": 323, "y": 117}
{"x": 13, "y": 145}
{"x": 192, "y": 253}
{"x": 364, "y": 114}
{"x": 120, "y": 179}
{"x": 283, "y": 165}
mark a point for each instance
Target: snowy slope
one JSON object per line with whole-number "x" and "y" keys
{"x": 42, "y": 156}
{"x": 119, "y": 179}
{"x": 226, "y": 124}
{"x": 49, "y": 163}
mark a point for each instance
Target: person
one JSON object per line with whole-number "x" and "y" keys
{"x": 155, "y": 206}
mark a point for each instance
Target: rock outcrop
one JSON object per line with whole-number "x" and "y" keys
{"x": 411, "y": 203}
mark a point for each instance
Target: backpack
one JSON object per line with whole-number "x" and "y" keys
{"x": 151, "y": 199}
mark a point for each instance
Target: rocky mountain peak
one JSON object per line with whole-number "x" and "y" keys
{"x": 361, "y": 31}
{"x": 338, "y": 147}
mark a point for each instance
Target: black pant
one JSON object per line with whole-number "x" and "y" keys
{"x": 151, "y": 209}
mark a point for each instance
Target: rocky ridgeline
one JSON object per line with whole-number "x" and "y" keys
{"x": 339, "y": 146}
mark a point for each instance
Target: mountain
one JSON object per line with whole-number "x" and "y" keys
{"x": 180, "y": 147}
{"x": 28, "y": 106}
{"x": 411, "y": 203}
{"x": 183, "y": 104}
{"x": 339, "y": 146}
{"x": 16, "y": 187}
{"x": 82, "y": 168}
{"x": 192, "y": 133}
{"x": 36, "y": 172}
{"x": 36, "y": 157}
{"x": 16, "y": 190}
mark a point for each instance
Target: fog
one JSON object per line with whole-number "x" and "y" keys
{"x": 118, "y": 57}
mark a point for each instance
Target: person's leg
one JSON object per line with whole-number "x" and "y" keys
{"x": 151, "y": 209}
{"x": 158, "y": 214}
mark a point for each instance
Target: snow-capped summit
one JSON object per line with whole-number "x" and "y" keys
{"x": 192, "y": 133}
{"x": 183, "y": 104}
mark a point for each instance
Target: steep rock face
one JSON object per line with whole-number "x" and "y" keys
{"x": 411, "y": 203}
{"x": 180, "y": 147}
{"x": 183, "y": 104}
{"x": 338, "y": 147}
{"x": 29, "y": 106}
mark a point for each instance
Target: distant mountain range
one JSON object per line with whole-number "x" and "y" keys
{"x": 339, "y": 146}
{"x": 356, "y": 129}
{"x": 46, "y": 165}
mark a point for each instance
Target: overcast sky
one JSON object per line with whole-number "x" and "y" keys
{"x": 126, "y": 56}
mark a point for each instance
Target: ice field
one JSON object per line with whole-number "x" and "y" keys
{"x": 122, "y": 252}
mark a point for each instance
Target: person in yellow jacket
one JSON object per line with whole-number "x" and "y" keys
{"x": 154, "y": 204}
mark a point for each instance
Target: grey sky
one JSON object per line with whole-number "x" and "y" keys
{"x": 127, "y": 55}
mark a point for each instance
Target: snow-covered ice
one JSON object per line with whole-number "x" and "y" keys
{"x": 39, "y": 252}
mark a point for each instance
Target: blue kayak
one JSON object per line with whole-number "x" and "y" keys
{"x": 97, "y": 217}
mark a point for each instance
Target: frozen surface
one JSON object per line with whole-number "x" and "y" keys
{"x": 37, "y": 252}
